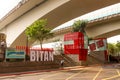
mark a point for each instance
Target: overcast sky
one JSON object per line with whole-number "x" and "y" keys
{"x": 7, "y": 5}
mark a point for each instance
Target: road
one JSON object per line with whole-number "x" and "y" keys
{"x": 104, "y": 72}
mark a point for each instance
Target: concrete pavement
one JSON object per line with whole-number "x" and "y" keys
{"x": 98, "y": 72}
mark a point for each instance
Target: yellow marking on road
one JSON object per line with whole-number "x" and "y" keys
{"x": 65, "y": 71}
{"x": 50, "y": 76}
{"x": 118, "y": 72}
{"x": 75, "y": 74}
{"x": 97, "y": 74}
{"x": 115, "y": 76}
{"x": 111, "y": 77}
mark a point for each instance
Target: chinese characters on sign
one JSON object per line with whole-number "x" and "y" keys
{"x": 98, "y": 44}
{"x": 92, "y": 46}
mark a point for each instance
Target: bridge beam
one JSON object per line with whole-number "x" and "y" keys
{"x": 56, "y": 11}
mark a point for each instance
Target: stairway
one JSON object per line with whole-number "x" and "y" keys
{"x": 67, "y": 61}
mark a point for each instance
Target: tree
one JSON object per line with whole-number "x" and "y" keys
{"x": 118, "y": 46}
{"x": 37, "y": 31}
{"x": 79, "y": 26}
{"x": 112, "y": 49}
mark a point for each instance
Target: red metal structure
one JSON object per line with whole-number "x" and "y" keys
{"x": 74, "y": 44}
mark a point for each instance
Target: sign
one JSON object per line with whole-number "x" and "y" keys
{"x": 15, "y": 54}
{"x": 76, "y": 43}
{"x": 98, "y": 44}
{"x": 41, "y": 55}
{"x": 73, "y": 42}
{"x": 92, "y": 46}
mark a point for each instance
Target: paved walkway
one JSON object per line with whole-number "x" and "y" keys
{"x": 104, "y": 72}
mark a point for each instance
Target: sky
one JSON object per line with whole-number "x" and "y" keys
{"x": 114, "y": 39}
{"x": 7, "y": 5}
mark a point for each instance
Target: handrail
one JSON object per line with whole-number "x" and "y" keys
{"x": 67, "y": 60}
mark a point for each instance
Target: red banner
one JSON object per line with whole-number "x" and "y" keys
{"x": 92, "y": 47}
{"x": 100, "y": 43}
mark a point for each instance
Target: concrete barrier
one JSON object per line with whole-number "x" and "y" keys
{"x": 9, "y": 67}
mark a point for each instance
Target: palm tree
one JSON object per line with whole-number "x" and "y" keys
{"x": 79, "y": 26}
{"x": 37, "y": 31}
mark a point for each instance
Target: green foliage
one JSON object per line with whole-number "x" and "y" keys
{"x": 118, "y": 45}
{"x": 79, "y": 26}
{"x": 114, "y": 49}
{"x": 111, "y": 48}
{"x": 37, "y": 31}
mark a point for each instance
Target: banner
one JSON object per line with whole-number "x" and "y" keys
{"x": 15, "y": 54}
{"x": 98, "y": 44}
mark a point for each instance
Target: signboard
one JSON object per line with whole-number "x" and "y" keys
{"x": 73, "y": 42}
{"x": 15, "y": 54}
{"x": 41, "y": 55}
{"x": 76, "y": 43}
{"x": 98, "y": 44}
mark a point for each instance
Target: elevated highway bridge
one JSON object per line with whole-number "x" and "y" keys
{"x": 56, "y": 11}
{"x": 105, "y": 27}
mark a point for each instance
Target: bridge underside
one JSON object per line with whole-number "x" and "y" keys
{"x": 108, "y": 28}
{"x": 98, "y": 29}
{"x": 110, "y": 34}
{"x": 57, "y": 13}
